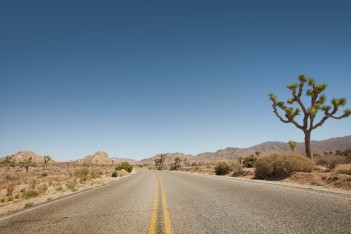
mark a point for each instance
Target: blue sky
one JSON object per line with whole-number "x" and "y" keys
{"x": 137, "y": 78}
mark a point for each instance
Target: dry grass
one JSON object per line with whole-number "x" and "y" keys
{"x": 330, "y": 161}
{"x": 343, "y": 169}
{"x": 327, "y": 179}
{"x": 17, "y": 186}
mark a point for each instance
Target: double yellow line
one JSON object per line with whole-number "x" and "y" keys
{"x": 167, "y": 220}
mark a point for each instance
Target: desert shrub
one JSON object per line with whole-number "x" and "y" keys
{"x": 114, "y": 174}
{"x": 33, "y": 184}
{"x": 71, "y": 185}
{"x": 29, "y": 204}
{"x": 58, "y": 189}
{"x": 82, "y": 173}
{"x": 30, "y": 193}
{"x": 223, "y": 168}
{"x": 43, "y": 188}
{"x": 2, "y": 200}
{"x": 44, "y": 174}
{"x": 344, "y": 169}
{"x": 249, "y": 161}
{"x": 347, "y": 154}
{"x": 331, "y": 161}
{"x": 282, "y": 165}
{"x": 10, "y": 188}
{"x": 236, "y": 169}
{"x": 124, "y": 165}
{"x": 174, "y": 166}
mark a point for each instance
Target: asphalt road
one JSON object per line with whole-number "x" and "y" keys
{"x": 176, "y": 202}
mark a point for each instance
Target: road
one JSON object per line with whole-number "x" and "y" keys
{"x": 177, "y": 202}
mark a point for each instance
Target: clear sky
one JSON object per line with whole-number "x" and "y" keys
{"x": 137, "y": 78}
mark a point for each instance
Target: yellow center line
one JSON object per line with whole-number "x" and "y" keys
{"x": 168, "y": 227}
{"x": 154, "y": 211}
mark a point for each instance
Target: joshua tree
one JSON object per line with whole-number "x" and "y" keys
{"x": 176, "y": 164}
{"x": 315, "y": 92}
{"x": 240, "y": 159}
{"x": 47, "y": 158}
{"x": 27, "y": 163}
{"x": 160, "y": 161}
{"x": 292, "y": 145}
{"x": 8, "y": 162}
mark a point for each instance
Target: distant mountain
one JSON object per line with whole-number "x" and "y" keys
{"x": 119, "y": 160}
{"x": 222, "y": 154}
{"x": 230, "y": 153}
{"x": 169, "y": 159}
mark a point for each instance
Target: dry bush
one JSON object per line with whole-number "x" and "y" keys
{"x": 343, "y": 169}
{"x": 236, "y": 169}
{"x": 282, "y": 165}
{"x": 223, "y": 168}
{"x": 330, "y": 161}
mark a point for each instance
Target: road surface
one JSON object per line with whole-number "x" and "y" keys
{"x": 177, "y": 202}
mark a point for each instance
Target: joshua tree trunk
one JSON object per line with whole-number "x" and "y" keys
{"x": 308, "y": 144}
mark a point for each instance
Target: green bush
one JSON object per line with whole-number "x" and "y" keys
{"x": 282, "y": 165}
{"x": 71, "y": 185}
{"x": 124, "y": 165}
{"x": 114, "y": 174}
{"x": 223, "y": 168}
{"x": 249, "y": 161}
{"x": 82, "y": 173}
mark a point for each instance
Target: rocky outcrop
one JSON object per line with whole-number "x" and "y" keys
{"x": 97, "y": 158}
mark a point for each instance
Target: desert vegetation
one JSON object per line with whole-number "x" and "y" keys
{"x": 282, "y": 165}
{"x": 159, "y": 161}
{"x": 332, "y": 169}
{"x": 23, "y": 184}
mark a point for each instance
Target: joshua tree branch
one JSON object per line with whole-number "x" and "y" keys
{"x": 277, "y": 114}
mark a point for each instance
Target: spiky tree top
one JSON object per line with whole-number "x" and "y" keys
{"x": 318, "y": 100}
{"x": 292, "y": 145}
{"x": 47, "y": 158}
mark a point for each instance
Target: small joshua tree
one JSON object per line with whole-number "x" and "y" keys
{"x": 8, "y": 162}
{"x": 47, "y": 158}
{"x": 160, "y": 161}
{"x": 27, "y": 163}
{"x": 240, "y": 159}
{"x": 315, "y": 92}
{"x": 176, "y": 164}
{"x": 292, "y": 145}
